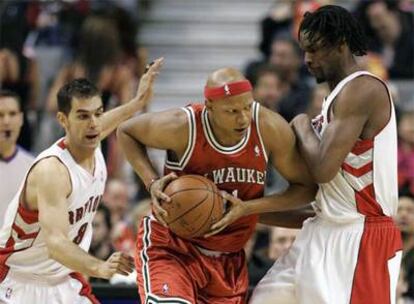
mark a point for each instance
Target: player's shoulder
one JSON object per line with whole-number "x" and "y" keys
{"x": 365, "y": 86}
{"x": 50, "y": 168}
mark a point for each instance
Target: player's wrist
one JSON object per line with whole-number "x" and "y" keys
{"x": 151, "y": 183}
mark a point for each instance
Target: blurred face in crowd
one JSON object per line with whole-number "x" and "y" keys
{"x": 405, "y": 214}
{"x": 384, "y": 22}
{"x": 318, "y": 94}
{"x": 284, "y": 57}
{"x": 101, "y": 231}
{"x": 116, "y": 196}
{"x": 270, "y": 89}
{"x": 11, "y": 121}
{"x": 406, "y": 128}
{"x": 281, "y": 239}
{"x": 83, "y": 124}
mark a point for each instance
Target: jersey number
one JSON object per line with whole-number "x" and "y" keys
{"x": 81, "y": 234}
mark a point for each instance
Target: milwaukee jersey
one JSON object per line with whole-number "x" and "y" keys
{"x": 22, "y": 242}
{"x": 239, "y": 170}
{"x": 366, "y": 183}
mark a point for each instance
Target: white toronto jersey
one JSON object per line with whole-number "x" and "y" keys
{"x": 22, "y": 243}
{"x": 366, "y": 183}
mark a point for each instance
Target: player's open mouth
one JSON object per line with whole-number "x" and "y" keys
{"x": 241, "y": 130}
{"x": 92, "y": 136}
{"x": 7, "y": 133}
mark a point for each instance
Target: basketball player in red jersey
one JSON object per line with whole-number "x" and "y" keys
{"x": 229, "y": 140}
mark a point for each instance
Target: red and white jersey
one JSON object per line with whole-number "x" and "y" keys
{"x": 240, "y": 170}
{"x": 22, "y": 242}
{"x": 366, "y": 183}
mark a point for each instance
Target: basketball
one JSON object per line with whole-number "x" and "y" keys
{"x": 195, "y": 205}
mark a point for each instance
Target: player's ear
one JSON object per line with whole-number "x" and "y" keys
{"x": 62, "y": 119}
{"x": 208, "y": 103}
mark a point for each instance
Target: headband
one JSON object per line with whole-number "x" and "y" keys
{"x": 229, "y": 89}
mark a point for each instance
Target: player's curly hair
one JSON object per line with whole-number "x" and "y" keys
{"x": 332, "y": 25}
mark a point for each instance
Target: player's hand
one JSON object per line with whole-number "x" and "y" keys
{"x": 158, "y": 196}
{"x": 145, "y": 88}
{"x": 236, "y": 209}
{"x": 118, "y": 262}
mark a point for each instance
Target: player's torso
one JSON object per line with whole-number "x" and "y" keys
{"x": 22, "y": 231}
{"x": 366, "y": 183}
{"x": 239, "y": 170}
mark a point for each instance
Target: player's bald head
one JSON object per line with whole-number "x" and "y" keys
{"x": 223, "y": 76}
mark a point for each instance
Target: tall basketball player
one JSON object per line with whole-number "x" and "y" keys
{"x": 351, "y": 251}
{"x": 229, "y": 140}
{"x": 48, "y": 225}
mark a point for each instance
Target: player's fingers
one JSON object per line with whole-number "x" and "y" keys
{"x": 159, "y": 213}
{"x": 162, "y": 196}
{"x": 214, "y": 231}
{"x": 230, "y": 198}
{"x": 124, "y": 268}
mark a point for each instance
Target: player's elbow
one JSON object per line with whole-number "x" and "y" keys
{"x": 53, "y": 246}
{"x": 322, "y": 175}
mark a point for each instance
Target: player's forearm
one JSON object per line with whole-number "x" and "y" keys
{"x": 137, "y": 156}
{"x": 294, "y": 197}
{"x": 73, "y": 257}
{"x": 287, "y": 219}
{"x": 114, "y": 117}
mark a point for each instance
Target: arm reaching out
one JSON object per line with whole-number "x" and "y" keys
{"x": 54, "y": 222}
{"x": 113, "y": 118}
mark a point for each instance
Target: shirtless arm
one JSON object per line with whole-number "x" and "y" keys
{"x": 54, "y": 222}
{"x": 352, "y": 109}
{"x": 165, "y": 130}
{"x": 113, "y": 118}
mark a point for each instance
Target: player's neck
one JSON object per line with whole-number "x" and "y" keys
{"x": 7, "y": 150}
{"x": 83, "y": 156}
{"x": 347, "y": 69}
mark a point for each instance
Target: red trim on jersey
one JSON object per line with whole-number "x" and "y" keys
{"x": 29, "y": 216}
{"x": 227, "y": 90}
{"x": 23, "y": 235}
{"x": 5, "y": 253}
{"x": 380, "y": 242}
{"x": 61, "y": 144}
{"x": 86, "y": 290}
{"x": 362, "y": 146}
{"x": 358, "y": 172}
{"x": 366, "y": 203}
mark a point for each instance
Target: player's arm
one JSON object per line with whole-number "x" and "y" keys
{"x": 352, "y": 109}
{"x": 114, "y": 117}
{"x": 166, "y": 130}
{"x": 54, "y": 222}
{"x": 287, "y": 219}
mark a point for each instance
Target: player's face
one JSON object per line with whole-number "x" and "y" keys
{"x": 405, "y": 215}
{"x": 320, "y": 60}
{"x": 11, "y": 120}
{"x": 232, "y": 115}
{"x": 83, "y": 124}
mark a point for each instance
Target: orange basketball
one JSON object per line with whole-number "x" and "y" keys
{"x": 195, "y": 205}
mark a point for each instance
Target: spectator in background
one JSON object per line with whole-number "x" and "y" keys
{"x": 269, "y": 88}
{"x": 405, "y": 221}
{"x": 286, "y": 57}
{"x": 14, "y": 161}
{"x": 101, "y": 245}
{"x": 391, "y": 33}
{"x": 319, "y": 92}
{"x": 406, "y": 152}
{"x": 116, "y": 199}
{"x": 281, "y": 239}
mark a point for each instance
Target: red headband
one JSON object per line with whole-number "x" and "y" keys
{"x": 229, "y": 89}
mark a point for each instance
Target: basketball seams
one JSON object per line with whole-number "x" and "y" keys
{"x": 209, "y": 216}
{"x": 192, "y": 208}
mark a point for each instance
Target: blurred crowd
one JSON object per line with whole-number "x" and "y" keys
{"x": 44, "y": 44}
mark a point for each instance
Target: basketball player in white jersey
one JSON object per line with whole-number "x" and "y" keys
{"x": 48, "y": 225}
{"x": 350, "y": 251}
